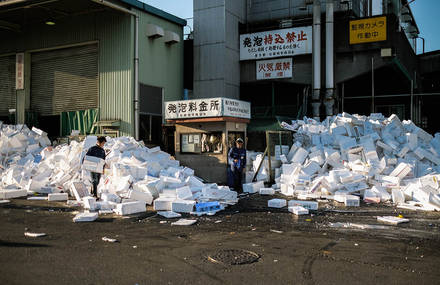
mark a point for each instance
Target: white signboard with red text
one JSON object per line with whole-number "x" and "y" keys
{"x": 274, "y": 68}
{"x": 209, "y": 107}
{"x": 276, "y": 43}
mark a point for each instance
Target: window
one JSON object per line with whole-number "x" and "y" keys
{"x": 201, "y": 143}
{"x": 190, "y": 143}
{"x": 212, "y": 142}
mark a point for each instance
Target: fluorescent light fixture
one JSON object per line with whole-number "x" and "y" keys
{"x": 50, "y": 22}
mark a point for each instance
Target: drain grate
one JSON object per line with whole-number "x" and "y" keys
{"x": 233, "y": 257}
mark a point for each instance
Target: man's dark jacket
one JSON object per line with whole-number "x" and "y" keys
{"x": 96, "y": 151}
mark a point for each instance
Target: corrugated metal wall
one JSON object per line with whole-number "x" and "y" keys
{"x": 64, "y": 80}
{"x": 114, "y": 32}
{"x": 7, "y": 84}
{"x": 116, "y": 59}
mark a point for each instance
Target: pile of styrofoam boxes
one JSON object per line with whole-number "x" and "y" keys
{"x": 135, "y": 176}
{"x": 349, "y": 158}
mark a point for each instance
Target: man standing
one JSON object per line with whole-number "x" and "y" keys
{"x": 237, "y": 162}
{"x": 97, "y": 151}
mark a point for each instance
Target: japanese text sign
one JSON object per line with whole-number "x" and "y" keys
{"x": 209, "y": 107}
{"x": 368, "y": 30}
{"x": 276, "y": 43}
{"x": 19, "y": 71}
{"x": 274, "y": 68}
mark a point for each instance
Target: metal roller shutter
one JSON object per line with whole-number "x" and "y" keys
{"x": 7, "y": 84}
{"x": 64, "y": 80}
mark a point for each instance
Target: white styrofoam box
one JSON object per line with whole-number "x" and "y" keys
{"x": 85, "y": 217}
{"x": 411, "y": 140}
{"x": 398, "y": 196}
{"x": 300, "y": 155}
{"x": 146, "y": 197}
{"x": 318, "y": 183}
{"x": 292, "y": 151}
{"x": 217, "y": 194}
{"x": 193, "y": 181}
{"x": 403, "y": 151}
{"x": 169, "y": 214}
{"x": 392, "y": 220}
{"x": 384, "y": 146}
{"x": 317, "y": 156}
{"x": 94, "y": 164}
{"x": 283, "y": 158}
{"x": 298, "y": 210}
{"x": 38, "y": 131}
{"x": 310, "y": 205}
{"x": 13, "y": 193}
{"x": 422, "y": 194}
{"x": 402, "y": 170}
{"x": 129, "y": 208}
{"x": 163, "y": 204}
{"x": 89, "y": 203}
{"x": 110, "y": 197}
{"x": 184, "y": 193}
{"x": 345, "y": 143}
{"x": 381, "y": 192}
{"x": 253, "y": 187}
{"x": 182, "y": 206}
{"x": 249, "y": 176}
{"x": 267, "y": 191}
{"x": 277, "y": 203}
{"x": 57, "y": 197}
{"x": 311, "y": 168}
{"x": 338, "y": 130}
{"x": 422, "y": 135}
{"x": 287, "y": 190}
{"x": 351, "y": 201}
{"x": 371, "y": 196}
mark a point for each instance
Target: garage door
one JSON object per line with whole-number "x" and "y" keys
{"x": 64, "y": 80}
{"x": 7, "y": 84}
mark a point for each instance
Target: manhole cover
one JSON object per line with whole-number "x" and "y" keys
{"x": 233, "y": 256}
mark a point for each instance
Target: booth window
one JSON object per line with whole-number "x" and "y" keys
{"x": 201, "y": 143}
{"x": 190, "y": 143}
{"x": 212, "y": 142}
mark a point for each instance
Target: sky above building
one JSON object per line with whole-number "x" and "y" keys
{"x": 426, "y": 13}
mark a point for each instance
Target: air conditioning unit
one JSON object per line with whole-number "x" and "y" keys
{"x": 171, "y": 37}
{"x": 154, "y": 32}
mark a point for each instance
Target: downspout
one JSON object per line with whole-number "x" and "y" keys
{"x": 329, "y": 58}
{"x": 136, "y": 60}
{"x": 316, "y": 104}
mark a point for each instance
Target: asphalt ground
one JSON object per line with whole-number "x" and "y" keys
{"x": 335, "y": 245}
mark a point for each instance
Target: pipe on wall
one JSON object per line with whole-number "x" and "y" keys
{"x": 136, "y": 60}
{"x": 316, "y": 104}
{"x": 329, "y": 58}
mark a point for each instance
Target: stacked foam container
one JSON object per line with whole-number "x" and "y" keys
{"x": 348, "y": 158}
{"x": 134, "y": 176}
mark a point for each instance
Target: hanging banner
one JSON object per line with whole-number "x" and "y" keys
{"x": 368, "y": 30}
{"x": 19, "y": 71}
{"x": 209, "y": 107}
{"x": 276, "y": 43}
{"x": 274, "y": 68}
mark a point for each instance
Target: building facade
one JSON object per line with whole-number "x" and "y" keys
{"x": 104, "y": 63}
{"x": 291, "y": 58}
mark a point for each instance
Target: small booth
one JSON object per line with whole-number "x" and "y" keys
{"x": 205, "y": 131}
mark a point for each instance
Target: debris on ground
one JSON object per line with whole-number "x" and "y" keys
{"x": 184, "y": 222}
{"x": 135, "y": 176}
{"x": 109, "y": 239}
{"x": 34, "y": 235}
{"x": 352, "y": 159}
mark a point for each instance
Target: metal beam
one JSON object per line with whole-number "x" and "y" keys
{"x": 10, "y": 26}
